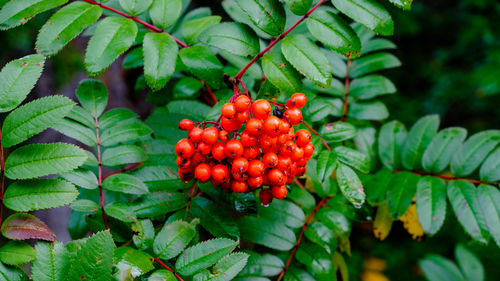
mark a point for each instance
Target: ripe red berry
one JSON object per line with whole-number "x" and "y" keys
{"x": 270, "y": 160}
{"x": 297, "y": 100}
{"x": 198, "y": 158}
{"x": 284, "y": 162}
{"x": 230, "y": 124}
{"x": 276, "y": 177}
{"x": 224, "y": 135}
{"x": 302, "y": 137}
{"x": 228, "y": 110}
{"x": 184, "y": 163}
{"x": 242, "y": 116}
{"x": 202, "y": 172}
{"x": 308, "y": 150}
{"x": 255, "y": 182}
{"x": 239, "y": 165}
{"x": 184, "y": 148}
{"x": 234, "y": 148}
{"x": 210, "y": 135}
{"x": 298, "y": 153}
{"x": 239, "y": 186}
{"x": 293, "y": 115}
{"x": 279, "y": 192}
{"x": 204, "y": 148}
{"x": 272, "y": 125}
{"x": 219, "y": 151}
{"x": 186, "y": 125}
{"x": 261, "y": 109}
{"x": 256, "y": 168}
{"x": 254, "y": 126}
{"x": 220, "y": 173}
{"x": 265, "y": 196}
{"x": 242, "y": 103}
{"x": 186, "y": 175}
{"x": 251, "y": 152}
{"x": 247, "y": 139}
{"x": 195, "y": 134}
{"x": 284, "y": 126}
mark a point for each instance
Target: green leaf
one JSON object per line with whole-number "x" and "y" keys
{"x": 202, "y": 63}
{"x": 489, "y": 197}
{"x": 320, "y": 234}
{"x": 18, "y": 78}
{"x": 117, "y": 116}
{"x": 255, "y": 70}
{"x": 192, "y": 29}
{"x": 37, "y": 160}
{"x": 437, "y": 268}
{"x": 235, "y": 38}
{"x": 120, "y": 211}
{"x": 82, "y": 178}
{"x": 159, "y": 178}
{"x": 418, "y": 139}
{"x": 307, "y": 58}
{"x": 132, "y": 263}
{"x": 373, "y": 110}
{"x": 159, "y": 203}
{"x": 93, "y": 96}
{"x": 390, "y": 144}
{"x": 338, "y": 131}
{"x": 295, "y": 274}
{"x": 284, "y": 211}
{"x": 299, "y": 7}
{"x": 162, "y": 275}
{"x": 325, "y": 165}
{"x": 144, "y": 234}
{"x": 320, "y": 108}
{"x": 214, "y": 218}
{"x": 403, "y": 4}
{"x": 261, "y": 265}
{"x": 22, "y": 226}
{"x": 173, "y": 238}
{"x": 443, "y": 146}
{"x": 94, "y": 259}
{"x": 316, "y": 259}
{"x": 490, "y": 170}
{"x": 122, "y": 155}
{"x": 203, "y": 255}
{"x": 350, "y": 185}
{"x": 358, "y": 160}
{"x": 80, "y": 115}
{"x": 229, "y": 266}
{"x": 302, "y": 198}
{"x": 16, "y": 253}
{"x": 85, "y": 205}
{"x": 12, "y": 274}
{"x": 124, "y": 132}
{"x": 160, "y": 55}
{"x": 473, "y": 152}
{"x": 335, "y": 221}
{"x": 431, "y": 203}
{"x": 111, "y": 38}
{"x": 467, "y": 207}
{"x": 469, "y": 264}
{"x": 51, "y": 262}
{"x": 165, "y": 13}
{"x": 65, "y": 25}
{"x": 125, "y": 183}
{"x": 15, "y": 13}
{"x": 271, "y": 234}
{"x": 333, "y": 32}
{"x": 187, "y": 87}
{"x": 402, "y": 188}
{"x": 76, "y": 131}
{"x": 267, "y": 15}
{"x": 371, "y": 86}
{"x": 369, "y": 13}
{"x": 134, "y": 58}
{"x": 376, "y": 186}
{"x": 30, "y": 195}
{"x": 34, "y": 118}
{"x": 135, "y": 7}
{"x": 194, "y": 108}
{"x": 373, "y": 62}
{"x": 280, "y": 73}
{"x": 377, "y": 44}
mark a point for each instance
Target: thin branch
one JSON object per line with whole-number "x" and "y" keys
{"x": 193, "y": 189}
{"x": 168, "y": 268}
{"x": 122, "y": 170}
{"x": 450, "y": 178}
{"x": 346, "y": 92}
{"x": 297, "y": 182}
{"x": 137, "y": 20}
{"x": 210, "y": 92}
{"x": 304, "y": 227}
{"x": 99, "y": 161}
{"x": 275, "y": 41}
{"x": 317, "y": 134}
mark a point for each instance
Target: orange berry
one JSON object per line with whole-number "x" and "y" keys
{"x": 228, "y": 110}
{"x": 302, "y": 137}
{"x": 254, "y": 126}
{"x": 224, "y": 135}
{"x": 184, "y": 148}
{"x": 261, "y": 109}
{"x": 270, "y": 160}
{"x": 234, "y": 148}
{"x": 219, "y": 151}
{"x": 308, "y": 150}
{"x": 276, "y": 177}
{"x": 239, "y": 186}
{"x": 255, "y": 182}
{"x": 272, "y": 125}
{"x": 186, "y": 125}
{"x": 293, "y": 115}
{"x": 183, "y": 163}
{"x": 279, "y": 192}
{"x": 297, "y": 100}
{"x": 239, "y": 165}
{"x": 247, "y": 139}
{"x": 195, "y": 134}
{"x": 204, "y": 148}
{"x": 220, "y": 173}
{"x": 210, "y": 135}
{"x": 242, "y": 116}
{"x": 242, "y": 103}
{"x": 256, "y": 168}
{"x": 202, "y": 172}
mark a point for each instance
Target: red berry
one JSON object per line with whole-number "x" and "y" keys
{"x": 234, "y": 148}
{"x": 184, "y": 163}
{"x": 279, "y": 192}
{"x": 242, "y": 103}
{"x": 255, "y": 182}
{"x": 204, "y": 148}
{"x": 198, "y": 158}
{"x": 284, "y": 163}
{"x": 270, "y": 160}
{"x": 293, "y": 115}
{"x": 242, "y": 116}
{"x": 223, "y": 135}
{"x": 202, "y": 172}
{"x": 284, "y": 126}
{"x": 195, "y": 134}
{"x": 210, "y": 135}
{"x": 251, "y": 152}
{"x": 184, "y": 148}
{"x": 276, "y": 177}
{"x": 247, "y": 139}
{"x": 228, "y": 110}
{"x": 265, "y": 196}
{"x": 272, "y": 125}
{"x": 302, "y": 137}
{"x": 254, "y": 126}
{"x": 308, "y": 150}
{"x": 239, "y": 165}
{"x": 186, "y": 175}
{"x": 261, "y": 109}
{"x": 239, "y": 186}
{"x": 220, "y": 173}
{"x": 297, "y": 100}
{"x": 298, "y": 153}
{"x": 256, "y": 168}
{"x": 186, "y": 125}
{"x": 219, "y": 151}
{"x": 230, "y": 124}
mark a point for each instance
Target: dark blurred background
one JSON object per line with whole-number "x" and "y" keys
{"x": 450, "y": 52}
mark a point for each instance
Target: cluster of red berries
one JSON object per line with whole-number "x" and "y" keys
{"x": 267, "y": 152}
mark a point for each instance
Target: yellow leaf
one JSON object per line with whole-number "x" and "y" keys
{"x": 374, "y": 264}
{"x": 411, "y": 224}
{"x": 373, "y": 276}
{"x": 383, "y": 222}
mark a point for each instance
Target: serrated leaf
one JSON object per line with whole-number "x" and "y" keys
{"x": 390, "y": 144}
{"x": 173, "y": 238}
{"x": 473, "y": 152}
{"x": 437, "y": 268}
{"x": 135, "y": 7}
{"x": 192, "y": 29}
{"x": 159, "y": 178}
{"x": 202, "y": 63}
{"x": 489, "y": 197}
{"x": 15, "y": 13}
{"x": 431, "y": 203}
{"x": 165, "y": 13}
{"x": 350, "y": 185}
{"x": 214, "y": 218}
{"x": 144, "y": 234}
{"x": 18, "y": 78}
{"x": 325, "y": 165}
{"x": 93, "y": 96}
{"x": 467, "y": 207}
{"x": 299, "y": 7}
{"x": 76, "y": 131}
{"x": 307, "y": 58}
{"x": 229, "y": 266}
{"x": 418, "y": 139}
{"x": 203, "y": 255}
{"x": 470, "y": 265}
{"x": 402, "y": 188}
{"x": 51, "y": 263}
{"x": 198, "y": 109}
{"x": 280, "y": 72}
{"x": 266, "y": 232}
{"x": 332, "y": 31}
{"x": 284, "y": 211}
{"x": 124, "y": 132}
{"x": 383, "y": 222}
{"x": 351, "y": 157}
{"x": 338, "y": 131}
{"x": 490, "y": 170}
{"x": 94, "y": 259}
{"x": 376, "y": 186}
{"x": 267, "y": 15}
{"x": 17, "y": 253}
{"x": 122, "y": 155}
{"x": 85, "y": 205}
{"x": 30, "y": 195}
{"x": 369, "y": 13}
{"x": 377, "y": 44}
{"x": 162, "y": 275}
{"x": 80, "y": 115}
{"x": 372, "y": 110}
{"x": 132, "y": 263}
{"x": 111, "y": 38}
{"x": 320, "y": 234}
{"x": 22, "y": 226}
{"x": 120, "y": 211}
{"x": 65, "y": 25}
{"x": 335, "y": 221}
{"x": 125, "y": 183}
{"x": 261, "y": 265}
{"x": 371, "y": 86}
{"x": 187, "y": 87}
{"x": 160, "y": 55}
{"x": 316, "y": 259}
{"x": 82, "y": 178}
{"x": 235, "y": 38}
{"x": 117, "y": 116}
{"x": 373, "y": 62}
{"x": 403, "y": 4}
{"x": 159, "y": 203}
{"x": 443, "y": 146}
{"x": 255, "y": 71}
{"x": 34, "y": 118}
{"x": 302, "y": 198}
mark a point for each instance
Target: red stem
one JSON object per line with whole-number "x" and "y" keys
{"x": 99, "y": 161}
{"x": 275, "y": 41}
{"x": 139, "y": 21}
{"x": 346, "y": 92}
{"x": 210, "y": 93}
{"x": 317, "y": 134}
{"x": 168, "y": 268}
{"x": 306, "y": 224}
{"x": 450, "y": 178}
{"x": 129, "y": 168}
{"x": 193, "y": 189}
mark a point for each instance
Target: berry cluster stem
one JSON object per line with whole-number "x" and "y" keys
{"x": 451, "y": 178}
{"x": 2, "y": 175}
{"x": 275, "y": 41}
{"x": 346, "y": 92}
{"x": 317, "y": 134}
{"x": 100, "y": 177}
{"x": 304, "y": 227}
{"x": 191, "y": 195}
{"x": 213, "y": 98}
{"x": 168, "y": 268}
